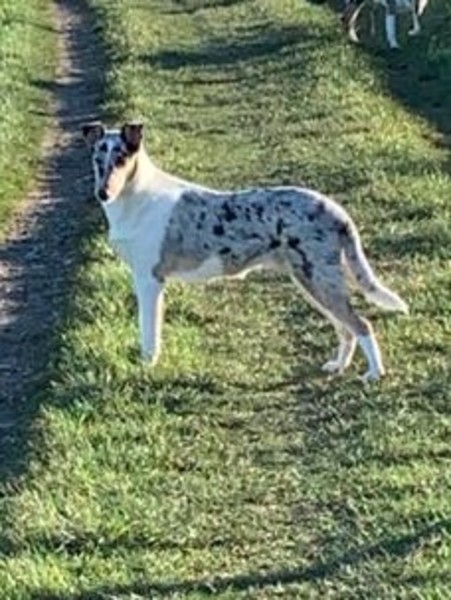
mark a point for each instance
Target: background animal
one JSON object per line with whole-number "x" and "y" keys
{"x": 392, "y": 9}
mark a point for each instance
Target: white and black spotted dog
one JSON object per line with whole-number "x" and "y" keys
{"x": 392, "y": 9}
{"x": 164, "y": 227}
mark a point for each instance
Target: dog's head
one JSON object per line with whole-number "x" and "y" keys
{"x": 114, "y": 156}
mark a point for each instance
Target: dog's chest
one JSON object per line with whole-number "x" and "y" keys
{"x": 137, "y": 230}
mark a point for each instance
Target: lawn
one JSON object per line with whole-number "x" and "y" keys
{"x": 27, "y": 51}
{"x": 236, "y": 469}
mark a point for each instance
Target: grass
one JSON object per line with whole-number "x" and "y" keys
{"x": 236, "y": 469}
{"x": 27, "y": 49}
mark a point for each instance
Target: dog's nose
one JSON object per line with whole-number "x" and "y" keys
{"x": 102, "y": 194}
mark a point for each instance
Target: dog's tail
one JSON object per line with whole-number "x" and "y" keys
{"x": 364, "y": 276}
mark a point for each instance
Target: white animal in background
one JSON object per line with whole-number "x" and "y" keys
{"x": 392, "y": 9}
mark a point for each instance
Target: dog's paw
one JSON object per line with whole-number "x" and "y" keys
{"x": 332, "y": 366}
{"x": 149, "y": 358}
{"x": 414, "y": 31}
{"x": 372, "y": 376}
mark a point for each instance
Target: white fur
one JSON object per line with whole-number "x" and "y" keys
{"x": 138, "y": 219}
{"x": 373, "y": 356}
{"x": 150, "y": 304}
{"x": 141, "y": 208}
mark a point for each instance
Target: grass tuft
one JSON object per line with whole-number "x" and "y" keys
{"x": 27, "y": 42}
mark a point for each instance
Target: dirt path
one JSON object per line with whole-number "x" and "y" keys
{"x": 40, "y": 253}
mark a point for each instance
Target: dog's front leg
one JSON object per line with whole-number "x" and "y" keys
{"x": 150, "y": 305}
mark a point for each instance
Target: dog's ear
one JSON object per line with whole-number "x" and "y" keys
{"x": 93, "y": 132}
{"x": 132, "y": 134}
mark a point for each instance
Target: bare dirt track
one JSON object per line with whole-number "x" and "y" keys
{"x": 41, "y": 250}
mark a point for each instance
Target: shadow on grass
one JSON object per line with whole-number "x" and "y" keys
{"x": 86, "y": 542}
{"x": 262, "y": 43}
{"x": 193, "y": 6}
{"x": 394, "y": 547}
{"x": 44, "y": 257}
{"x": 431, "y": 241}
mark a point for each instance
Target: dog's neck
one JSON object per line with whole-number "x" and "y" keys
{"x": 148, "y": 180}
{"x": 142, "y": 176}
{"x": 146, "y": 189}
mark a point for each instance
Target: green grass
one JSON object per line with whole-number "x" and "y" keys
{"x": 27, "y": 50}
{"x": 236, "y": 469}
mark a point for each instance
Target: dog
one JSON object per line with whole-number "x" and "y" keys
{"x": 164, "y": 227}
{"x": 392, "y": 8}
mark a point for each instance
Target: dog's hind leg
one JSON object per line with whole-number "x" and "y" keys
{"x": 346, "y": 340}
{"x": 326, "y": 290}
{"x": 345, "y": 351}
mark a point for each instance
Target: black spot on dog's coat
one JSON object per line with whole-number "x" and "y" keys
{"x": 307, "y": 266}
{"x": 259, "y": 210}
{"x": 218, "y": 229}
{"x": 286, "y": 204}
{"x": 201, "y": 220}
{"x": 343, "y": 229}
{"x": 320, "y": 209}
{"x": 229, "y": 214}
{"x": 319, "y": 235}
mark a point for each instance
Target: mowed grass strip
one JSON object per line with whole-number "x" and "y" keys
{"x": 236, "y": 469}
{"x": 27, "y": 59}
